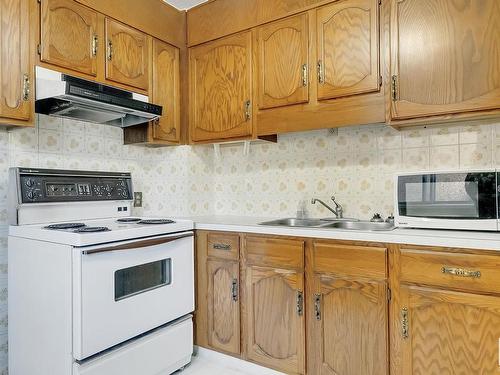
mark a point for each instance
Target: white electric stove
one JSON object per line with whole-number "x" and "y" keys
{"x": 93, "y": 290}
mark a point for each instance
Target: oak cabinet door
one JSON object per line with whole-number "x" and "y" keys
{"x": 348, "y": 48}
{"x": 220, "y": 89}
{"x": 350, "y": 327}
{"x": 127, "y": 55}
{"x": 275, "y": 318}
{"x": 69, "y": 36}
{"x": 223, "y": 305}
{"x": 283, "y": 62}
{"x": 15, "y": 64}
{"x": 445, "y": 57}
{"x": 165, "y": 91}
{"x": 444, "y": 332}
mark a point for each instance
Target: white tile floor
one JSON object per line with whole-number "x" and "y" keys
{"x": 208, "y": 362}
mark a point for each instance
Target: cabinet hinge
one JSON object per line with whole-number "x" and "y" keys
{"x": 39, "y": 49}
{"x": 380, "y": 81}
{"x": 389, "y": 294}
{"x": 394, "y": 88}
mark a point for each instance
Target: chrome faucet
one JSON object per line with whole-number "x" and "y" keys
{"x": 338, "y": 211}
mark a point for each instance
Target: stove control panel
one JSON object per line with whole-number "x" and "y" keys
{"x": 43, "y": 186}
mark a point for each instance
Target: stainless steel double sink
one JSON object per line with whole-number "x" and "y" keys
{"x": 347, "y": 224}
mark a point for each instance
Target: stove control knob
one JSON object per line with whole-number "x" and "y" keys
{"x": 30, "y": 182}
{"x": 108, "y": 188}
{"x": 31, "y": 195}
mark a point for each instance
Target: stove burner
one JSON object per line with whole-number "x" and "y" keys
{"x": 65, "y": 226}
{"x": 156, "y": 221}
{"x": 129, "y": 220}
{"x": 92, "y": 229}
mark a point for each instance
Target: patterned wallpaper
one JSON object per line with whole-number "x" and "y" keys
{"x": 356, "y": 165}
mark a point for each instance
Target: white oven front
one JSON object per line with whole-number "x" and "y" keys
{"x": 122, "y": 290}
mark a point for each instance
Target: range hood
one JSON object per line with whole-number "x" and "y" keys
{"x": 65, "y": 96}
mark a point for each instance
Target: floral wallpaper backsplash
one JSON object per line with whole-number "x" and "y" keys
{"x": 355, "y": 164}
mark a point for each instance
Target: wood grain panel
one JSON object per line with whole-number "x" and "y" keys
{"x": 450, "y": 333}
{"x": 348, "y": 48}
{"x": 168, "y": 25}
{"x": 352, "y": 330}
{"x": 425, "y": 267}
{"x": 445, "y": 56}
{"x": 275, "y": 331}
{"x": 350, "y": 260}
{"x": 219, "y": 18}
{"x": 282, "y": 56}
{"x": 224, "y": 245}
{"x": 220, "y": 86}
{"x": 15, "y": 62}
{"x": 274, "y": 252}
{"x": 128, "y": 55}
{"x": 67, "y": 33}
{"x": 165, "y": 89}
{"x": 223, "y": 311}
{"x": 201, "y": 289}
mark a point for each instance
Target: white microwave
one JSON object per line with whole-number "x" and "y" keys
{"x": 461, "y": 200}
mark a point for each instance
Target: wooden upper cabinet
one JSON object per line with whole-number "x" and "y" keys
{"x": 15, "y": 63}
{"x": 220, "y": 89}
{"x": 348, "y": 48}
{"x": 69, "y": 36}
{"x": 443, "y": 332}
{"x": 127, "y": 55}
{"x": 350, "y": 325}
{"x": 445, "y": 57}
{"x": 275, "y": 328}
{"x": 283, "y": 62}
{"x": 165, "y": 91}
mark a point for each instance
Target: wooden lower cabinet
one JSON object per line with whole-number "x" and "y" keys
{"x": 223, "y": 305}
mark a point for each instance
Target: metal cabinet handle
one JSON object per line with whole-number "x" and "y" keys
{"x": 461, "y": 272}
{"x": 321, "y": 73}
{"x": 95, "y": 45}
{"x": 234, "y": 290}
{"x": 304, "y": 75}
{"x": 317, "y": 306}
{"x": 26, "y": 87}
{"x": 394, "y": 88}
{"x": 110, "y": 50}
{"x": 248, "y": 113}
{"x": 222, "y": 246}
{"x": 404, "y": 323}
{"x": 300, "y": 303}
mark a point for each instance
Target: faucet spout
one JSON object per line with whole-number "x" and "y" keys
{"x": 337, "y": 211}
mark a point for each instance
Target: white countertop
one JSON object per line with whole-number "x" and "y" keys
{"x": 446, "y": 238}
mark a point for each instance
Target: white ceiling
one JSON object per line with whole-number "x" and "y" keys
{"x": 184, "y": 4}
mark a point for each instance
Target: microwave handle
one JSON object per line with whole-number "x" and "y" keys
{"x": 139, "y": 244}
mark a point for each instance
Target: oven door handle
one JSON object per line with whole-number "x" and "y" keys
{"x": 139, "y": 244}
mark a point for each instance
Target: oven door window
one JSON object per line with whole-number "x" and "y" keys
{"x": 142, "y": 278}
{"x": 448, "y": 196}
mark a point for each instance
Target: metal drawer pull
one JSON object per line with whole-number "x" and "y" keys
{"x": 317, "y": 306}
{"x": 248, "y": 113}
{"x": 95, "y": 45}
{"x": 26, "y": 87}
{"x": 110, "y": 50}
{"x": 404, "y": 323}
{"x": 222, "y": 246}
{"x": 234, "y": 290}
{"x": 300, "y": 303}
{"x": 461, "y": 272}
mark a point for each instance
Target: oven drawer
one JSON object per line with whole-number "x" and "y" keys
{"x": 468, "y": 272}
{"x": 124, "y": 289}
{"x": 160, "y": 352}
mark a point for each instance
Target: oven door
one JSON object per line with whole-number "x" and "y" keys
{"x": 122, "y": 290}
{"x": 454, "y": 200}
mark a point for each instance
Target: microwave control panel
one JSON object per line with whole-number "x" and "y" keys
{"x": 46, "y": 186}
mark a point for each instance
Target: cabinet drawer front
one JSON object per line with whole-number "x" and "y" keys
{"x": 469, "y": 272}
{"x": 348, "y": 260}
{"x": 274, "y": 252}
{"x": 224, "y": 245}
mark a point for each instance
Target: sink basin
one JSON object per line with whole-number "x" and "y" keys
{"x": 361, "y": 225}
{"x": 293, "y": 222}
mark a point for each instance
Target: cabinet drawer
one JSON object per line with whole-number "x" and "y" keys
{"x": 350, "y": 260}
{"x": 274, "y": 252}
{"x": 224, "y": 245}
{"x": 471, "y": 272}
